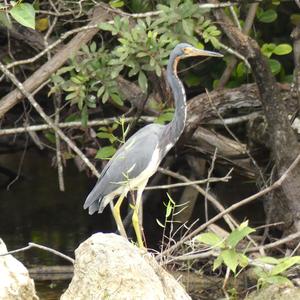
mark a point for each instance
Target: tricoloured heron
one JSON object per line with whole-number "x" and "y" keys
{"x": 138, "y": 159}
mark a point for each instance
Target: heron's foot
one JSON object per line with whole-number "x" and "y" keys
{"x": 117, "y": 216}
{"x": 137, "y": 229}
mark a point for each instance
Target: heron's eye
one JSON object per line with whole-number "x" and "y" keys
{"x": 185, "y": 50}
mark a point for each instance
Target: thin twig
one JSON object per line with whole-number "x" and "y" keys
{"x": 284, "y": 240}
{"x": 73, "y": 124}
{"x": 234, "y": 120}
{"x": 175, "y": 185}
{"x": 34, "y": 245}
{"x": 60, "y": 169}
{"x": 235, "y": 53}
{"x": 158, "y": 12}
{"x": 207, "y": 185}
{"x": 235, "y": 17}
{"x": 56, "y": 14}
{"x": 50, "y": 47}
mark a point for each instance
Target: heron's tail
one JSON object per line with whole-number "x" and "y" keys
{"x": 92, "y": 202}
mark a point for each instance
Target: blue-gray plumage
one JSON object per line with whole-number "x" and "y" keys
{"x": 138, "y": 159}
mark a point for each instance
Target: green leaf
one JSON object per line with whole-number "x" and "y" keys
{"x": 84, "y": 116}
{"x": 160, "y": 224}
{"x": 278, "y": 280}
{"x": 285, "y": 264}
{"x": 142, "y": 54}
{"x": 192, "y": 80}
{"x": 275, "y": 2}
{"x": 283, "y": 49}
{"x": 103, "y": 128}
{"x": 268, "y": 260}
{"x": 217, "y": 262}
{"x": 143, "y": 82}
{"x": 188, "y": 26}
{"x": 164, "y": 117}
{"x": 71, "y": 96}
{"x": 267, "y": 16}
{"x": 117, "y": 99}
{"x": 105, "y": 97}
{"x": 243, "y": 260}
{"x": 24, "y": 14}
{"x": 76, "y": 79}
{"x": 158, "y": 70}
{"x": 210, "y": 239}
{"x": 295, "y": 19}
{"x": 241, "y": 69}
{"x": 72, "y": 117}
{"x": 230, "y": 259}
{"x": 169, "y": 210}
{"x": 93, "y": 47}
{"x": 65, "y": 70}
{"x": 107, "y": 135}
{"x": 100, "y": 91}
{"x": 106, "y": 27}
{"x": 50, "y": 136}
{"x": 116, "y": 3}
{"x": 115, "y": 126}
{"x": 238, "y": 234}
{"x": 267, "y": 49}
{"x": 274, "y": 65}
{"x": 106, "y": 152}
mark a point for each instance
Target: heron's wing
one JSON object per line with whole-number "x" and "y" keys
{"x": 127, "y": 163}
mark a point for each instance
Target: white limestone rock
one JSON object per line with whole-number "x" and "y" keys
{"x": 107, "y": 266}
{"x": 15, "y": 283}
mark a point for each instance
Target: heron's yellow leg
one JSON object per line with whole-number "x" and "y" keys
{"x": 137, "y": 228}
{"x": 136, "y": 217}
{"x": 117, "y": 216}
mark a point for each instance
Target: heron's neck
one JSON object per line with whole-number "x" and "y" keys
{"x": 176, "y": 126}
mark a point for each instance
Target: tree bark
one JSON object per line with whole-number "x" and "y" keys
{"x": 283, "y": 140}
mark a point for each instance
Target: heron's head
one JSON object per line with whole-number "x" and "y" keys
{"x": 184, "y": 50}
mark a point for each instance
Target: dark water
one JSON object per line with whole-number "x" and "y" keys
{"x": 34, "y": 210}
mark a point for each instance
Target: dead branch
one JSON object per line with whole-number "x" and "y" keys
{"x": 192, "y": 182}
{"x": 282, "y": 241}
{"x": 60, "y": 169}
{"x": 34, "y": 245}
{"x": 73, "y": 124}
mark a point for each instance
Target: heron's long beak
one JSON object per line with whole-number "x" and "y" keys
{"x": 198, "y": 52}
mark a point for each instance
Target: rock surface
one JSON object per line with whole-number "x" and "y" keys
{"x": 276, "y": 292}
{"x": 107, "y": 267}
{"x": 15, "y": 283}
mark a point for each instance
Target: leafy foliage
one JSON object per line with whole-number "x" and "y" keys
{"x": 141, "y": 48}
{"x": 227, "y": 246}
{"x": 108, "y": 133}
{"x": 87, "y": 78}
{"x": 276, "y": 275}
{"x": 23, "y": 13}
